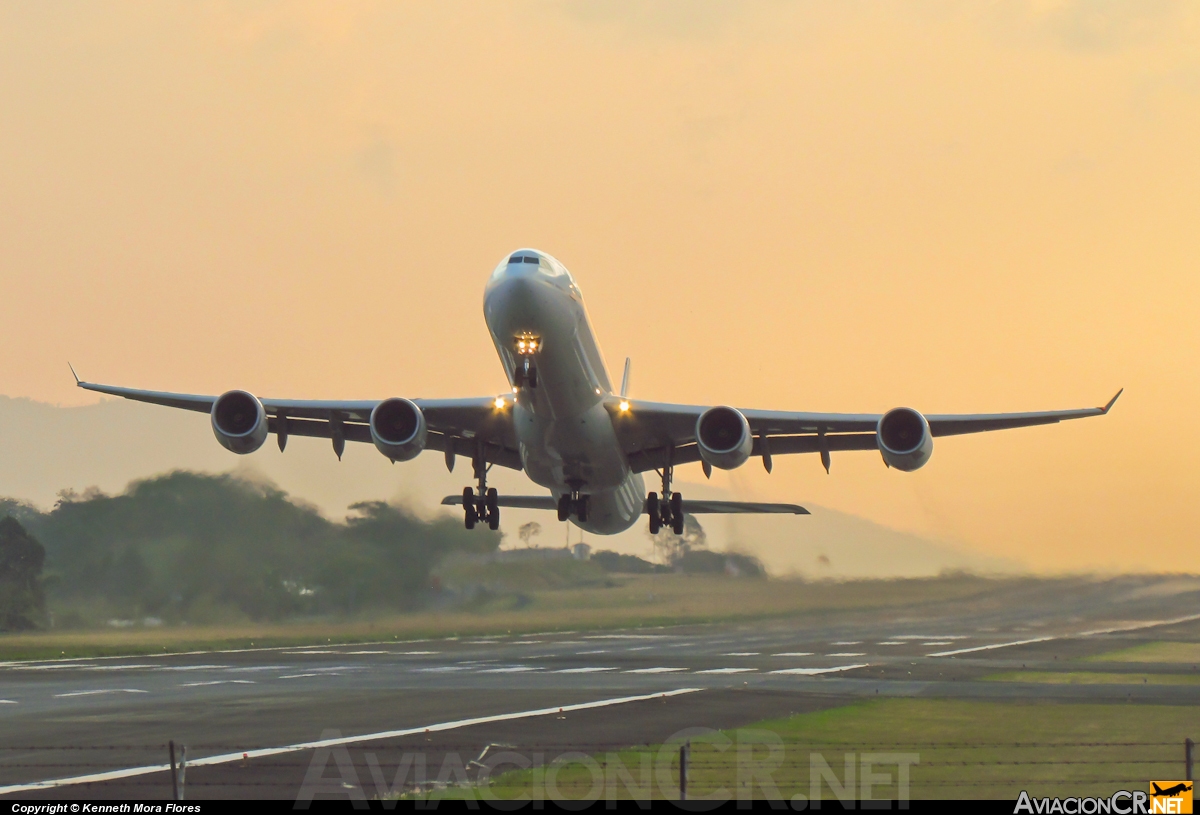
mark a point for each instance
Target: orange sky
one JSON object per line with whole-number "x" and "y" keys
{"x": 805, "y": 205}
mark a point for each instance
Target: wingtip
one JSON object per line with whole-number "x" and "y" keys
{"x": 72, "y": 367}
{"x": 1113, "y": 401}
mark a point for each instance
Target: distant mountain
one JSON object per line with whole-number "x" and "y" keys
{"x": 45, "y": 449}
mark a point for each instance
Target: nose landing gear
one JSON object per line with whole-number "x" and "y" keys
{"x": 667, "y": 510}
{"x": 574, "y": 503}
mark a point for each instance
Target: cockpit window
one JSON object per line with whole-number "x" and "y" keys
{"x": 530, "y": 260}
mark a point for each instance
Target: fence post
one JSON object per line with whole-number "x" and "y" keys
{"x": 174, "y": 772}
{"x": 182, "y": 768}
{"x": 685, "y": 750}
{"x": 1189, "y": 752}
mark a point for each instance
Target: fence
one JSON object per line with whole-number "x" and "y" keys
{"x": 751, "y": 763}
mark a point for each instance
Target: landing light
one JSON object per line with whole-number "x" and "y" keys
{"x": 623, "y": 407}
{"x": 499, "y": 403}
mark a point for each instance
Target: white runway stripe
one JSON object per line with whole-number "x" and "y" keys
{"x": 743, "y": 654}
{"x": 226, "y": 758}
{"x": 794, "y": 654}
{"x": 97, "y": 692}
{"x": 727, "y": 670}
{"x": 654, "y": 670}
{"x": 990, "y": 647}
{"x": 7, "y": 702}
{"x": 224, "y": 682}
{"x": 815, "y": 671}
{"x": 847, "y": 654}
{"x": 515, "y": 669}
{"x": 583, "y": 670}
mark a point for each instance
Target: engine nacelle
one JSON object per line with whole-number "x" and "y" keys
{"x": 398, "y": 429}
{"x": 723, "y": 437}
{"x": 904, "y": 439}
{"x": 239, "y": 422}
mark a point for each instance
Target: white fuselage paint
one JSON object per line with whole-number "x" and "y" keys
{"x": 566, "y": 435}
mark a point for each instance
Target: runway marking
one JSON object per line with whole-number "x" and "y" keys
{"x": 625, "y": 637}
{"x": 441, "y": 669}
{"x": 727, "y": 670}
{"x": 227, "y": 758}
{"x": 938, "y": 642}
{"x": 743, "y": 654}
{"x": 815, "y": 671}
{"x": 7, "y": 702}
{"x": 259, "y": 668}
{"x": 993, "y": 647}
{"x": 226, "y": 682}
{"x": 294, "y": 653}
{"x": 364, "y": 653}
{"x": 582, "y": 670}
{"x": 1136, "y": 626}
{"x": 585, "y": 653}
{"x": 931, "y": 637}
{"x": 97, "y": 692}
{"x": 515, "y": 669}
{"x": 298, "y": 676}
{"x": 794, "y": 654}
{"x": 191, "y": 667}
{"x": 653, "y": 670}
{"x": 18, "y": 667}
{"x": 118, "y": 667}
{"x": 847, "y": 642}
{"x": 847, "y": 654}
{"x": 891, "y": 642}
{"x": 640, "y": 648}
{"x": 526, "y": 642}
{"x": 418, "y": 653}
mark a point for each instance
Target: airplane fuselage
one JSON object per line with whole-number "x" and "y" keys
{"x": 566, "y": 435}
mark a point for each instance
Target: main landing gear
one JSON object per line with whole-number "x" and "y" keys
{"x": 667, "y": 510}
{"x": 573, "y": 504}
{"x": 482, "y": 503}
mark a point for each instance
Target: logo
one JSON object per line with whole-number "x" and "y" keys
{"x": 1170, "y": 797}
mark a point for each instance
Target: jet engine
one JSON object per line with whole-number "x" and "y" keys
{"x": 239, "y": 422}
{"x": 398, "y": 429}
{"x": 904, "y": 439}
{"x": 724, "y": 438}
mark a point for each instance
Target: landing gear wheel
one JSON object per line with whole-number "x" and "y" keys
{"x": 492, "y": 507}
{"x": 469, "y": 513}
{"x": 677, "y": 513}
{"x": 653, "y": 511}
{"x": 581, "y": 508}
{"x": 564, "y": 507}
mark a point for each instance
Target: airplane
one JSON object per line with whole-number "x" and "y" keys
{"x": 563, "y": 425}
{"x": 1170, "y": 792}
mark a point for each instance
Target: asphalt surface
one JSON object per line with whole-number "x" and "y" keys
{"x": 72, "y": 718}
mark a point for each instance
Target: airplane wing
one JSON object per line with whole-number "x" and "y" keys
{"x": 654, "y": 434}
{"x": 689, "y": 507}
{"x": 466, "y": 427}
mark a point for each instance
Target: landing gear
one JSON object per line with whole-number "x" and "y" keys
{"x": 667, "y": 510}
{"x": 481, "y": 504}
{"x": 526, "y": 375}
{"x": 573, "y": 504}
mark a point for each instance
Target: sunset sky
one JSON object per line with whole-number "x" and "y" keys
{"x": 842, "y": 206}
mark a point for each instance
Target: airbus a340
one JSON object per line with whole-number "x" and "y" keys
{"x": 563, "y": 424}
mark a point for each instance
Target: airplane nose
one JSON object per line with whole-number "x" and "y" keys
{"x": 515, "y": 302}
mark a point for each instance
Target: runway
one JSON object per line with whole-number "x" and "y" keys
{"x": 79, "y": 717}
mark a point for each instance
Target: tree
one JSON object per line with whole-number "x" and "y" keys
{"x": 22, "y": 600}
{"x": 670, "y": 547}
{"x": 528, "y": 531}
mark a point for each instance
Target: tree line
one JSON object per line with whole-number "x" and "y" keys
{"x": 190, "y": 547}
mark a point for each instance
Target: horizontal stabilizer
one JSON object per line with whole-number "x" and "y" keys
{"x": 740, "y": 507}
{"x": 514, "y": 501}
{"x": 689, "y": 507}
